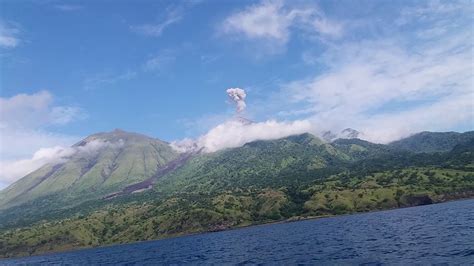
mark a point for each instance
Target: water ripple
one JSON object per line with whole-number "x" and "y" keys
{"x": 434, "y": 234}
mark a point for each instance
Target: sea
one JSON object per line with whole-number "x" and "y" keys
{"x": 431, "y": 234}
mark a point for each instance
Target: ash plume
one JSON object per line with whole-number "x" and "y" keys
{"x": 237, "y": 95}
{"x": 238, "y": 131}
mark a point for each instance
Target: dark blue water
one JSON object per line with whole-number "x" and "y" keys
{"x": 441, "y": 233}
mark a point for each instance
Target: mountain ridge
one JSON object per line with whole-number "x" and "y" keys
{"x": 299, "y": 176}
{"x": 100, "y": 163}
{"x": 351, "y": 146}
{"x": 430, "y": 142}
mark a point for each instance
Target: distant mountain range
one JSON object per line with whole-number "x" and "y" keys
{"x": 433, "y": 141}
{"x": 119, "y": 187}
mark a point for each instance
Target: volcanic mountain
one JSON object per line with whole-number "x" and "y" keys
{"x": 106, "y": 165}
{"x": 100, "y": 164}
{"x": 119, "y": 187}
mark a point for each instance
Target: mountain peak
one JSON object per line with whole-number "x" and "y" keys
{"x": 347, "y": 133}
{"x": 328, "y": 136}
{"x": 117, "y": 135}
{"x": 99, "y": 164}
{"x": 305, "y": 138}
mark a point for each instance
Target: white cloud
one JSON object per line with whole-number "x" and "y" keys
{"x": 390, "y": 88}
{"x": 185, "y": 145}
{"x": 265, "y": 20}
{"x": 14, "y": 169}
{"x": 376, "y": 74}
{"x": 272, "y": 22}
{"x": 28, "y": 111}
{"x": 18, "y": 143}
{"x": 441, "y": 115}
{"x": 328, "y": 28}
{"x": 389, "y": 83}
{"x": 24, "y": 119}
{"x": 234, "y": 133}
{"x": 432, "y": 10}
{"x": 9, "y": 35}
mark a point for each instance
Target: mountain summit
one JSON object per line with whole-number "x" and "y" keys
{"x": 96, "y": 166}
{"x": 347, "y": 133}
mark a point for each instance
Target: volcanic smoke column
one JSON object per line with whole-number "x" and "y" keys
{"x": 237, "y": 95}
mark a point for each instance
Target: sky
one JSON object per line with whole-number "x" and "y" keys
{"x": 69, "y": 69}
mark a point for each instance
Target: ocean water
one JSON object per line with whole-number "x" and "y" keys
{"x": 441, "y": 233}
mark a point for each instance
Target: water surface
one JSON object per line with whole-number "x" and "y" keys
{"x": 441, "y": 233}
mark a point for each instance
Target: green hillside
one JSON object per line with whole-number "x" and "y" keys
{"x": 292, "y": 178}
{"x": 103, "y": 163}
{"x": 432, "y": 141}
{"x": 259, "y": 164}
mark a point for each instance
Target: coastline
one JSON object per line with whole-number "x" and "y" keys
{"x": 181, "y": 235}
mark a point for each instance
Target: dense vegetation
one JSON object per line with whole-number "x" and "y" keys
{"x": 264, "y": 181}
{"x": 432, "y": 141}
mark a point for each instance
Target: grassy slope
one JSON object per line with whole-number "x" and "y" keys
{"x": 261, "y": 182}
{"x": 193, "y": 212}
{"x": 432, "y": 141}
{"x": 92, "y": 175}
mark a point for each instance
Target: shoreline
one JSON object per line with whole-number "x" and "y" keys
{"x": 300, "y": 219}
{"x": 288, "y": 220}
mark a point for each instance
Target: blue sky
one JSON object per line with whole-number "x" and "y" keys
{"x": 73, "y": 68}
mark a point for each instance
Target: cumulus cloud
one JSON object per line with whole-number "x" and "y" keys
{"x": 33, "y": 110}
{"x": 266, "y": 20}
{"x": 14, "y": 169}
{"x": 24, "y": 119}
{"x": 17, "y": 143}
{"x": 379, "y": 73}
{"x": 273, "y": 21}
{"x": 235, "y": 133}
{"x": 388, "y": 83}
{"x": 392, "y": 87}
{"x": 441, "y": 115}
{"x": 369, "y": 81}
